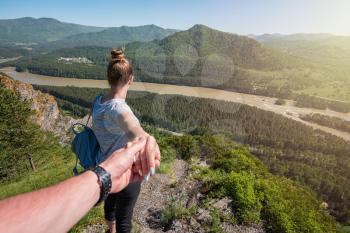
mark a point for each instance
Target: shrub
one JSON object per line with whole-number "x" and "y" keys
{"x": 280, "y": 102}
{"x": 186, "y": 146}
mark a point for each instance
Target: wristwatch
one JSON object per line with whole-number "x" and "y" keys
{"x": 105, "y": 182}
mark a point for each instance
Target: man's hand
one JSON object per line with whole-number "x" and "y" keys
{"x": 62, "y": 205}
{"x": 120, "y": 163}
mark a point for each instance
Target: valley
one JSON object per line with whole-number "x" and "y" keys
{"x": 265, "y": 103}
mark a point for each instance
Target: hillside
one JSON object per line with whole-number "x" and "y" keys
{"x": 44, "y": 109}
{"x": 323, "y": 48}
{"x": 288, "y": 148}
{"x": 243, "y": 51}
{"x": 326, "y": 51}
{"x": 33, "y": 31}
{"x": 111, "y": 37}
{"x": 208, "y": 183}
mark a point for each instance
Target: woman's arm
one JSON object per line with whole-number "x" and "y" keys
{"x": 131, "y": 125}
{"x": 145, "y": 167}
{"x": 58, "y": 208}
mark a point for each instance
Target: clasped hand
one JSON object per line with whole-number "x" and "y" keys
{"x": 136, "y": 162}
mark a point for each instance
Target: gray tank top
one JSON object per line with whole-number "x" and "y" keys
{"x": 106, "y": 127}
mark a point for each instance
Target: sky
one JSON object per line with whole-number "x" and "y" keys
{"x": 235, "y": 16}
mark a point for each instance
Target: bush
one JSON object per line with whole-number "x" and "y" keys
{"x": 241, "y": 188}
{"x": 186, "y": 146}
{"x": 175, "y": 209}
{"x": 258, "y": 197}
{"x": 280, "y": 102}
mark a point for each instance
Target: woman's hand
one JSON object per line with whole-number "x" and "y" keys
{"x": 148, "y": 159}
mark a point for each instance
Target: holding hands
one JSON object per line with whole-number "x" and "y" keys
{"x": 136, "y": 162}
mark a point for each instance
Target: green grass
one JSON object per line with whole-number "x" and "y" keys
{"x": 345, "y": 229}
{"x": 95, "y": 216}
{"x": 176, "y": 209}
{"x": 337, "y": 92}
{"x": 36, "y": 180}
{"x": 45, "y": 178}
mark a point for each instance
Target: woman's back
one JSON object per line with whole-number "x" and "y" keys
{"x": 105, "y": 125}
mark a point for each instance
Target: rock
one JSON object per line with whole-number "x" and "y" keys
{"x": 194, "y": 224}
{"x": 224, "y": 206}
{"x": 227, "y": 227}
{"x": 153, "y": 219}
{"x": 180, "y": 168}
{"x": 46, "y": 111}
{"x": 203, "y": 216}
{"x": 98, "y": 228}
{"x": 180, "y": 226}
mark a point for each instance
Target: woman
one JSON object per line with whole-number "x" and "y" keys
{"x": 114, "y": 125}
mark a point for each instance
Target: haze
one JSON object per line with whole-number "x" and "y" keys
{"x": 237, "y": 16}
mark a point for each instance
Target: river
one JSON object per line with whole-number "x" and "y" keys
{"x": 266, "y": 103}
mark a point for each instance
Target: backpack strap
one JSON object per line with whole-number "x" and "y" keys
{"x": 92, "y": 108}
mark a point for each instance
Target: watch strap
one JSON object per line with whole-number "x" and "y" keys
{"x": 105, "y": 182}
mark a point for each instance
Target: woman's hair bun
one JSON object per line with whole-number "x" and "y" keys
{"x": 117, "y": 54}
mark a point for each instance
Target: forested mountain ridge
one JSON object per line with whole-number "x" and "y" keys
{"x": 244, "y": 51}
{"x": 111, "y": 37}
{"x": 30, "y": 30}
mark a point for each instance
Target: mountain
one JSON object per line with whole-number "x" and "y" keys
{"x": 205, "y": 41}
{"x": 30, "y": 30}
{"x": 292, "y": 37}
{"x": 309, "y": 46}
{"x": 265, "y": 37}
{"x": 202, "y": 56}
{"x": 112, "y": 37}
{"x": 326, "y": 50}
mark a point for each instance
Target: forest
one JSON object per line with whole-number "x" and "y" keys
{"x": 12, "y": 51}
{"x": 316, "y": 159}
{"x": 307, "y": 101}
{"x": 23, "y": 146}
{"x": 332, "y": 122}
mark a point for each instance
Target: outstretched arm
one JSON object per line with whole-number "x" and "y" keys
{"x": 133, "y": 129}
{"x": 131, "y": 126}
{"x": 58, "y": 208}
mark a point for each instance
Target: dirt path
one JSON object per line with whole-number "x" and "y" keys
{"x": 261, "y": 102}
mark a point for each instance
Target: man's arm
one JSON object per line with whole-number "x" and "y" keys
{"x": 58, "y": 208}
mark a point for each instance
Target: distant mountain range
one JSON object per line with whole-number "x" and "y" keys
{"x": 46, "y": 34}
{"x": 30, "y": 30}
{"x": 332, "y": 52}
{"x": 292, "y": 37}
{"x": 111, "y": 37}
{"x": 269, "y": 64}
